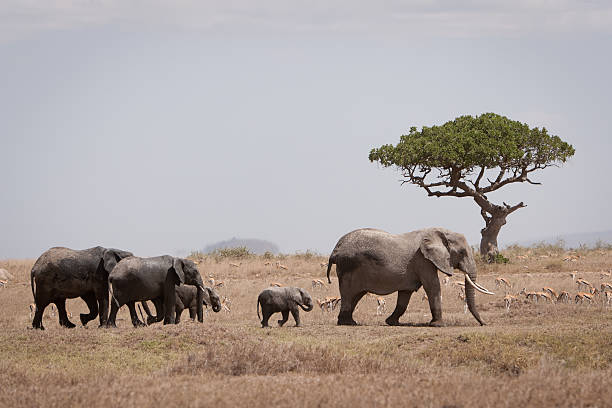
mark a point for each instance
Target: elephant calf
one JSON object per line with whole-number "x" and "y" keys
{"x": 187, "y": 298}
{"x": 284, "y": 300}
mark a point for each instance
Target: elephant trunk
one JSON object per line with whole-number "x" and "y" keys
{"x": 200, "y": 303}
{"x": 307, "y": 308}
{"x": 470, "y": 293}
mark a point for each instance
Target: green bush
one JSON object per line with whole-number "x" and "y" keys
{"x": 500, "y": 259}
{"x": 232, "y": 253}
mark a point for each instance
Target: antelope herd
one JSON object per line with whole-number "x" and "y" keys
{"x": 586, "y": 292}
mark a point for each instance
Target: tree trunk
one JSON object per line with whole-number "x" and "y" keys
{"x": 488, "y": 242}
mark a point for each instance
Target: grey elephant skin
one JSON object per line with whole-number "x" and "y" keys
{"x": 375, "y": 261}
{"x": 283, "y": 300}
{"x": 187, "y": 298}
{"x": 140, "y": 279}
{"x": 64, "y": 273}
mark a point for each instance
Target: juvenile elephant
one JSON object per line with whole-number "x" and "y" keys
{"x": 140, "y": 279}
{"x": 186, "y": 298}
{"x": 375, "y": 261}
{"x": 63, "y": 273}
{"x": 284, "y": 300}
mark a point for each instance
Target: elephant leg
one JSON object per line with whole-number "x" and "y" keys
{"x": 177, "y": 316}
{"x": 63, "y": 316}
{"x": 159, "y": 309}
{"x": 431, "y": 284}
{"x": 296, "y": 316}
{"x": 169, "y": 301}
{"x": 103, "y": 308}
{"x": 150, "y": 317}
{"x": 266, "y": 316}
{"x": 135, "y": 320}
{"x": 403, "y": 298}
{"x": 193, "y": 312}
{"x": 38, "y": 314}
{"x": 92, "y": 304}
{"x": 285, "y": 314}
{"x": 347, "y": 307}
{"x": 112, "y": 317}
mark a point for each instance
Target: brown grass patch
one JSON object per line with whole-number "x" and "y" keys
{"x": 533, "y": 355}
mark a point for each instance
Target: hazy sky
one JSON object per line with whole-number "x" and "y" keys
{"x": 163, "y": 126}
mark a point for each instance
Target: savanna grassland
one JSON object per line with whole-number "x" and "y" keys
{"x": 532, "y": 355}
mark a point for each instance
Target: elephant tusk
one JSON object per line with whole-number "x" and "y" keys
{"x": 481, "y": 287}
{"x": 478, "y": 288}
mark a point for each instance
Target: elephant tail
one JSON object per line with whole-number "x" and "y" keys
{"x": 110, "y": 289}
{"x": 258, "y": 302}
{"x": 332, "y": 260}
{"x": 33, "y": 285}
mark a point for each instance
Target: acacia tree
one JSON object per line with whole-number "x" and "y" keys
{"x": 474, "y": 156}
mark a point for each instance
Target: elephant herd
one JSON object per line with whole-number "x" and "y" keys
{"x": 367, "y": 261}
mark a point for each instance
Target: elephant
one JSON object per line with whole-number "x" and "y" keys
{"x": 284, "y": 300}
{"x": 375, "y": 261}
{"x": 186, "y": 298}
{"x": 140, "y": 279}
{"x": 64, "y": 273}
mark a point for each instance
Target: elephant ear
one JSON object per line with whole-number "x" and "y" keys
{"x": 434, "y": 247}
{"x": 177, "y": 265}
{"x": 110, "y": 259}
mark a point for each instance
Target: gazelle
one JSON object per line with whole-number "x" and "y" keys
{"x": 281, "y": 266}
{"x": 328, "y": 303}
{"x": 461, "y": 296}
{"x": 226, "y": 304}
{"x": 219, "y": 284}
{"x": 581, "y": 282}
{"x": 581, "y": 296}
{"x": 552, "y": 292}
{"x": 323, "y": 264}
{"x": 317, "y": 283}
{"x": 508, "y": 300}
{"x": 51, "y": 310}
{"x": 608, "y": 298}
{"x": 529, "y": 295}
{"x": 573, "y": 275}
{"x": 235, "y": 265}
{"x": 564, "y": 297}
{"x": 277, "y": 284}
{"x": 545, "y": 296}
{"x": 380, "y": 305}
{"x": 606, "y": 286}
{"x": 3, "y": 283}
{"x": 502, "y": 281}
{"x": 335, "y": 301}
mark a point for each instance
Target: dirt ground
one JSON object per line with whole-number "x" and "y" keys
{"x": 535, "y": 354}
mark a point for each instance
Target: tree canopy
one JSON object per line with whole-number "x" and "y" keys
{"x": 457, "y": 158}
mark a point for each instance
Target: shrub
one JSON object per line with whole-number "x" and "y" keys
{"x": 233, "y": 253}
{"x": 500, "y": 259}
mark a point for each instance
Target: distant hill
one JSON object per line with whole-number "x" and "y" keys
{"x": 574, "y": 240}
{"x": 257, "y": 246}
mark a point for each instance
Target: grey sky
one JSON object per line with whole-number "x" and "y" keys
{"x": 161, "y": 126}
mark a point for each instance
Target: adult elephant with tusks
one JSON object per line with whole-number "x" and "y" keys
{"x": 375, "y": 261}
{"x": 64, "y": 273}
{"x": 140, "y": 279}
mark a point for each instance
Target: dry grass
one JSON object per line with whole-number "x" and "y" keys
{"x": 533, "y": 355}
